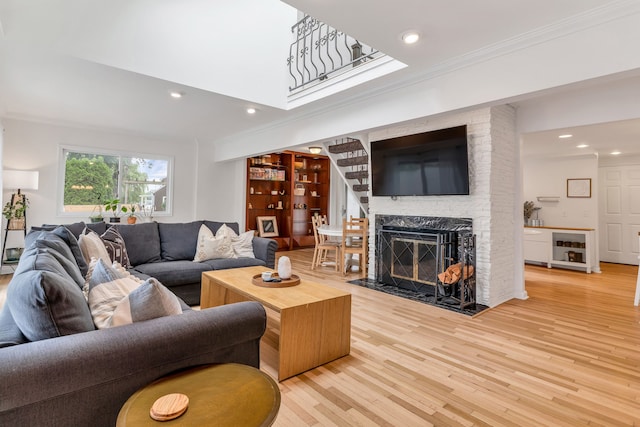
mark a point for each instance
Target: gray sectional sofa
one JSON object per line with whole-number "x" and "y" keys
{"x": 57, "y": 370}
{"x": 166, "y": 251}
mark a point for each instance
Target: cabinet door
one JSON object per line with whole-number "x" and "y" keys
{"x": 537, "y": 245}
{"x": 536, "y": 251}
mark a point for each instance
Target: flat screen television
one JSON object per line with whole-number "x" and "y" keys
{"x": 431, "y": 163}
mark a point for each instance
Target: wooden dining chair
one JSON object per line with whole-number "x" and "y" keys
{"x": 355, "y": 235}
{"x": 323, "y": 246}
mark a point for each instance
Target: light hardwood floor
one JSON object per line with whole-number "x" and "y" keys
{"x": 567, "y": 356}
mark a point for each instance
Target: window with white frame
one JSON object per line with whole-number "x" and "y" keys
{"x": 93, "y": 178}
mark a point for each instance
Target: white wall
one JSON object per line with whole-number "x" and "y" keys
{"x": 548, "y": 177}
{"x": 221, "y": 188}
{"x": 493, "y": 169}
{"x": 36, "y": 146}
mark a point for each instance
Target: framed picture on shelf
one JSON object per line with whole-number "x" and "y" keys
{"x": 579, "y": 187}
{"x": 267, "y": 226}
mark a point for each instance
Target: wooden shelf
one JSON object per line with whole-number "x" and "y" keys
{"x": 300, "y": 169}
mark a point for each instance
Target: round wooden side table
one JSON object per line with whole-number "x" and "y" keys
{"x": 223, "y": 395}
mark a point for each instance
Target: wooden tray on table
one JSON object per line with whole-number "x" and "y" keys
{"x": 285, "y": 283}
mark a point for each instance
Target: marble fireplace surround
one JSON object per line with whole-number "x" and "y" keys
{"x": 426, "y": 223}
{"x": 414, "y": 224}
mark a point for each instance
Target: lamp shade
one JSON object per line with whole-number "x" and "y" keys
{"x": 23, "y": 180}
{"x": 315, "y": 150}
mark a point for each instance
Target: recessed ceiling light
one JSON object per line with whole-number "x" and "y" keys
{"x": 615, "y": 153}
{"x": 582, "y": 146}
{"x": 566, "y": 135}
{"x": 251, "y": 110}
{"x": 410, "y": 37}
{"x": 175, "y": 95}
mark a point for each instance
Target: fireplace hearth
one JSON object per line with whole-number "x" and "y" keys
{"x": 411, "y": 253}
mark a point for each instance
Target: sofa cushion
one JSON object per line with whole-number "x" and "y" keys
{"x": 174, "y": 273}
{"x": 66, "y": 235}
{"x": 62, "y": 255}
{"x": 210, "y": 246}
{"x": 10, "y": 333}
{"x": 215, "y": 225}
{"x": 223, "y": 264}
{"x": 116, "y": 298}
{"x": 178, "y": 240}
{"x": 142, "y": 241}
{"x": 77, "y": 228}
{"x": 47, "y": 305}
{"x": 116, "y": 247}
{"x": 50, "y": 252}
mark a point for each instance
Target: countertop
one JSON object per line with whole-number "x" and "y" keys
{"x": 548, "y": 227}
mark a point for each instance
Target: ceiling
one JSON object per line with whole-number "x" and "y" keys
{"x": 602, "y": 139}
{"x": 110, "y": 65}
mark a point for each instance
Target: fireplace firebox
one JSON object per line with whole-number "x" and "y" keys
{"x": 411, "y": 251}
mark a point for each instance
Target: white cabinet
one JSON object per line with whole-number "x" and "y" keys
{"x": 561, "y": 247}
{"x": 536, "y": 245}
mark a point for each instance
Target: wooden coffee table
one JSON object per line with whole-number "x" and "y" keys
{"x": 228, "y": 394}
{"x": 314, "y": 319}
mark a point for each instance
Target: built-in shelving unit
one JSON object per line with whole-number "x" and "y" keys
{"x": 561, "y": 247}
{"x": 291, "y": 187}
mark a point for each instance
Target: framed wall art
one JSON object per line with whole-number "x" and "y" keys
{"x": 267, "y": 226}
{"x": 579, "y": 187}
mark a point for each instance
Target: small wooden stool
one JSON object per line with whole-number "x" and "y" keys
{"x": 223, "y": 395}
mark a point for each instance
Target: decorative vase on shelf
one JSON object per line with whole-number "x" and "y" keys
{"x": 284, "y": 267}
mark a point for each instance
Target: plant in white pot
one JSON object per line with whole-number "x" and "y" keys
{"x": 146, "y": 213}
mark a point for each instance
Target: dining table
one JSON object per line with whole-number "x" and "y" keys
{"x": 330, "y": 230}
{"x": 336, "y": 232}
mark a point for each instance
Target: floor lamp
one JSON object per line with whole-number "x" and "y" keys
{"x": 17, "y": 181}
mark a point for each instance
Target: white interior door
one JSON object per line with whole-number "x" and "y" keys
{"x": 619, "y": 213}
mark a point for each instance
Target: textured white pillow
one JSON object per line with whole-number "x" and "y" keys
{"x": 212, "y": 247}
{"x": 243, "y": 244}
{"x": 92, "y": 246}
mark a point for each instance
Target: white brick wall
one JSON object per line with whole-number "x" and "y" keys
{"x": 491, "y": 203}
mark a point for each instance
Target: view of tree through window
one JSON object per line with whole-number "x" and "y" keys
{"x": 92, "y": 179}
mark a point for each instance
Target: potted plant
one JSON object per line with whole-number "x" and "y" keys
{"x": 132, "y": 215}
{"x": 96, "y": 214}
{"x": 116, "y": 208}
{"x": 146, "y": 213}
{"x": 14, "y": 213}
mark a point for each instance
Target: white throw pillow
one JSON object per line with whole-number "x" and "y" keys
{"x": 148, "y": 301}
{"x": 107, "y": 288}
{"x": 243, "y": 244}
{"x": 212, "y": 247}
{"x": 116, "y": 298}
{"x": 92, "y": 246}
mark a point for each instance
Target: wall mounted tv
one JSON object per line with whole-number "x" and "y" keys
{"x": 432, "y": 163}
